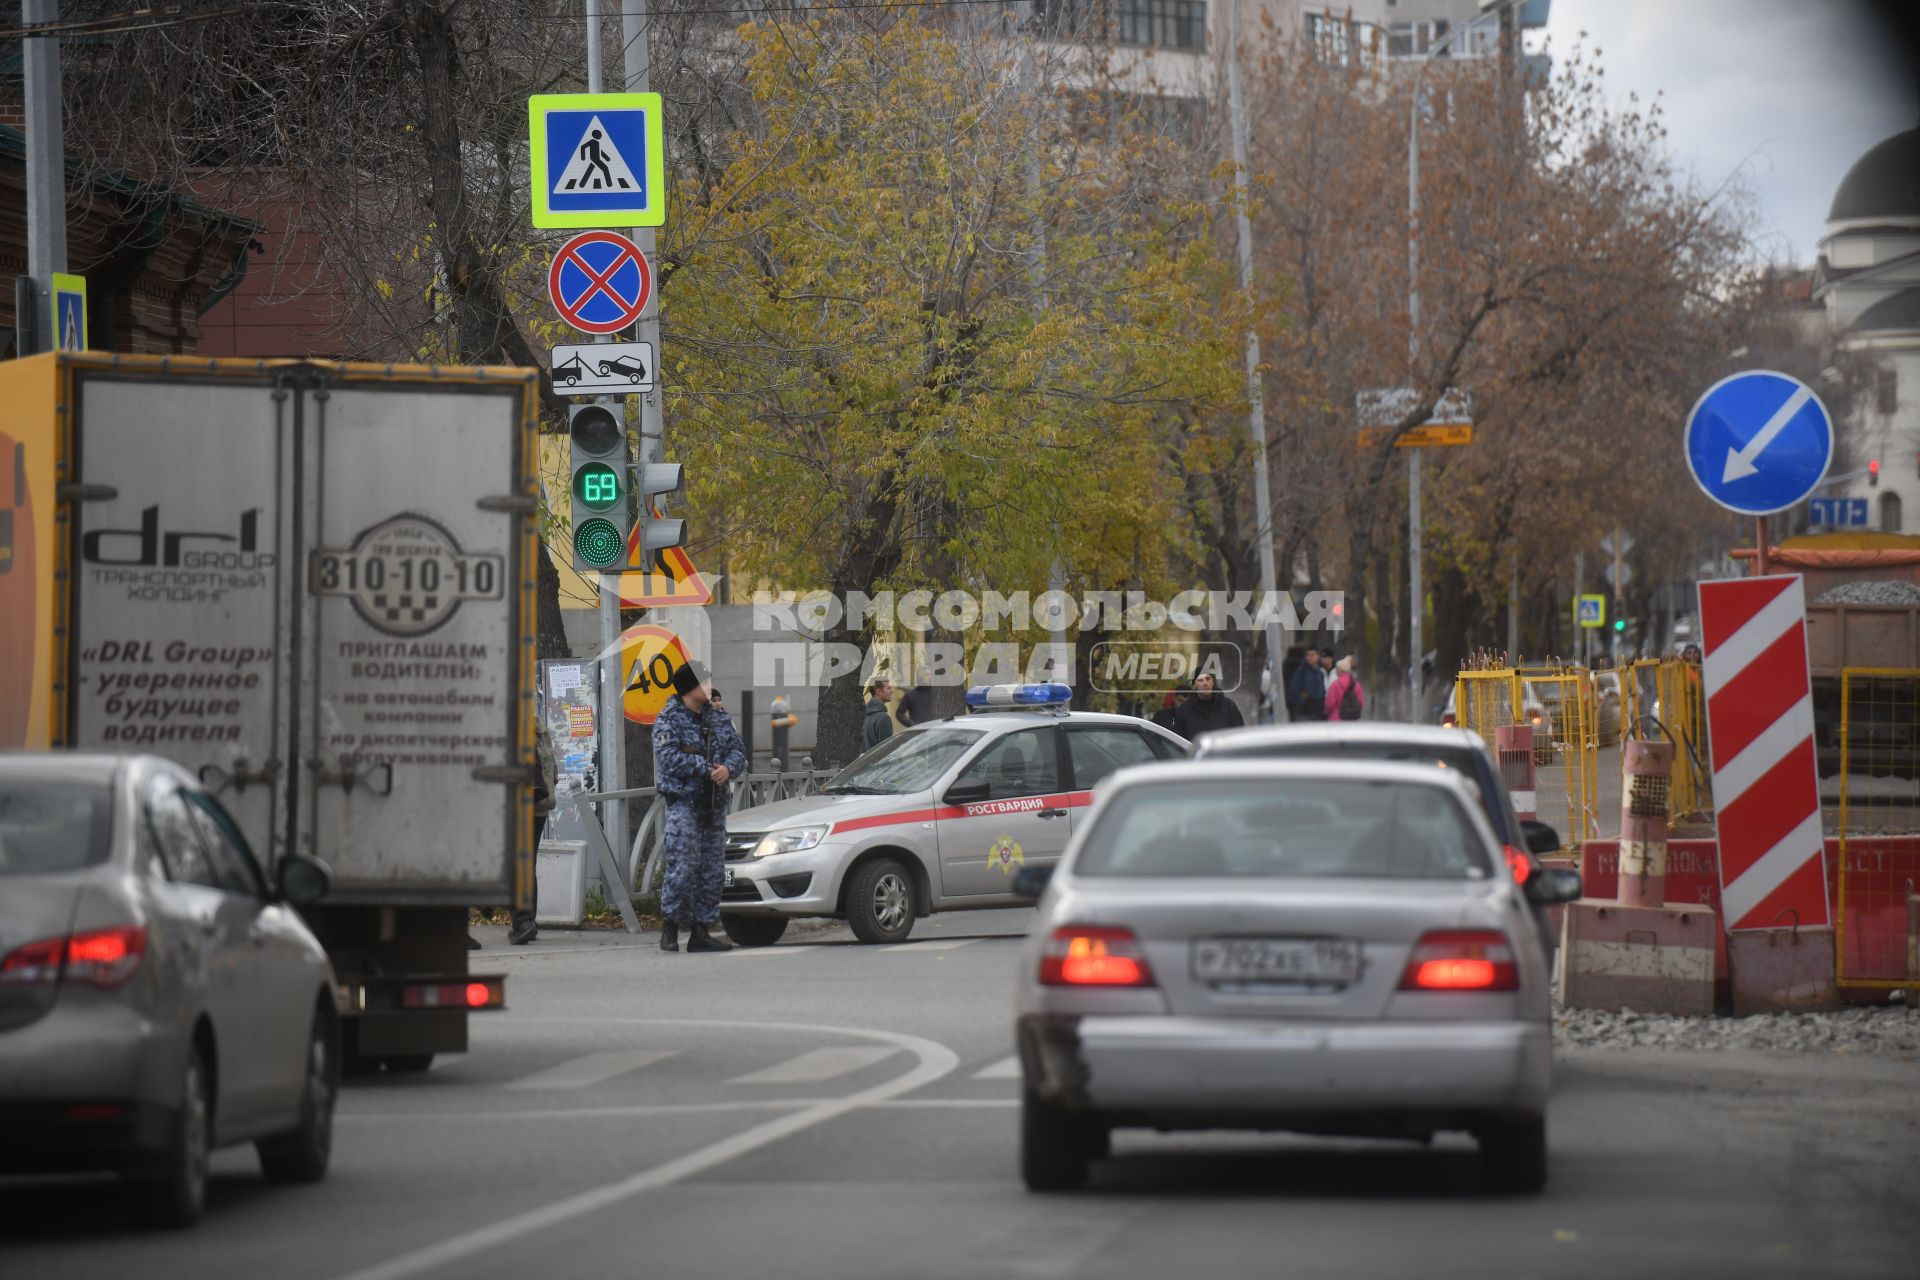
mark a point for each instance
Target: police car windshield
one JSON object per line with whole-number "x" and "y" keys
{"x": 911, "y": 761}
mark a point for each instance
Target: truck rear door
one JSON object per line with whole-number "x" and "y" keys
{"x": 178, "y": 643}
{"x": 408, "y": 705}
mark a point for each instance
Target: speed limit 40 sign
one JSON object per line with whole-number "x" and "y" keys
{"x": 649, "y": 656}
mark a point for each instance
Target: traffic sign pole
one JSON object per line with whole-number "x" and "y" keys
{"x": 613, "y": 678}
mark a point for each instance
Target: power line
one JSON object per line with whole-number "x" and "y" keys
{"x": 150, "y": 19}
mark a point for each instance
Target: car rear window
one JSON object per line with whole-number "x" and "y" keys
{"x": 1309, "y": 827}
{"x": 46, "y": 828}
{"x": 1460, "y": 758}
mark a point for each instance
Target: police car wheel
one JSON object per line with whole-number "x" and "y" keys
{"x": 753, "y": 931}
{"x": 880, "y": 903}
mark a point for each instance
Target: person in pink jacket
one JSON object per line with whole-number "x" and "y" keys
{"x": 1345, "y": 698}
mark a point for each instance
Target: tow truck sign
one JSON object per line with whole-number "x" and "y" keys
{"x": 609, "y": 368}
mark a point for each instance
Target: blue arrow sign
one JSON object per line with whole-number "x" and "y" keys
{"x": 1759, "y": 442}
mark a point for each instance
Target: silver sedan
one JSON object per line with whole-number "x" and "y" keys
{"x": 1327, "y": 947}
{"x": 159, "y": 997}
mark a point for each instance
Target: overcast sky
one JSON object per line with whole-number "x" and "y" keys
{"x": 1792, "y": 90}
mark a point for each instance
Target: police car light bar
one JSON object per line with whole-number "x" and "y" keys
{"x": 1019, "y": 695}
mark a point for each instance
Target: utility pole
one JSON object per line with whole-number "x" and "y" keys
{"x": 637, "y": 65}
{"x": 46, "y": 178}
{"x": 1417, "y": 604}
{"x": 1256, "y": 400}
{"x": 1037, "y": 274}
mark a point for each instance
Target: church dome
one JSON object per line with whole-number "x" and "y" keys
{"x": 1884, "y": 183}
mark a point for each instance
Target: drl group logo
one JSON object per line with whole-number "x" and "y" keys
{"x": 1149, "y": 666}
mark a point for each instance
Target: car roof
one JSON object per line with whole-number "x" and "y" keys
{"x": 1256, "y": 770}
{"x": 98, "y": 767}
{"x": 1040, "y": 715}
{"x": 1255, "y": 738}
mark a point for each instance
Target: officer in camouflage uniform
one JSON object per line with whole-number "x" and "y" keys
{"x": 695, "y": 752}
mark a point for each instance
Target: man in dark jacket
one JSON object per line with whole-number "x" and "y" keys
{"x": 917, "y": 706}
{"x": 878, "y": 726}
{"x": 1208, "y": 709}
{"x": 525, "y": 929}
{"x": 696, "y": 751}
{"x": 1307, "y": 694}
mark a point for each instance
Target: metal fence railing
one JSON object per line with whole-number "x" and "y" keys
{"x": 1559, "y": 705}
{"x": 1877, "y": 918}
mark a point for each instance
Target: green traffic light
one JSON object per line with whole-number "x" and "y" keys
{"x": 596, "y": 486}
{"x": 1619, "y": 624}
{"x": 598, "y": 543}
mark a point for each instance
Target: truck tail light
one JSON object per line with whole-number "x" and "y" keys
{"x": 1461, "y": 960}
{"x": 98, "y": 957}
{"x": 1079, "y": 955}
{"x": 1518, "y": 863}
{"x": 476, "y": 993}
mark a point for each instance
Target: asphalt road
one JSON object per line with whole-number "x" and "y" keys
{"x": 823, "y": 1109}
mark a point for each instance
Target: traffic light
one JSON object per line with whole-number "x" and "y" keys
{"x": 1619, "y": 625}
{"x": 1873, "y": 472}
{"x": 657, "y": 532}
{"x": 601, "y": 513}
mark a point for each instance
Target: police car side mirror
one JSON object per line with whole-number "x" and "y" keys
{"x": 1031, "y": 882}
{"x": 968, "y": 791}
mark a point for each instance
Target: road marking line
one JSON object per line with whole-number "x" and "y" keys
{"x": 932, "y": 944}
{"x": 592, "y": 1068}
{"x": 815, "y": 1064}
{"x": 643, "y": 1111}
{"x": 935, "y": 1061}
{"x": 1005, "y": 1069}
{"x": 772, "y": 951}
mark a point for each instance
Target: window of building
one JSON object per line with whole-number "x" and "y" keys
{"x": 1331, "y": 39}
{"x": 1886, "y": 390}
{"x": 1169, "y": 24}
{"x": 1890, "y": 517}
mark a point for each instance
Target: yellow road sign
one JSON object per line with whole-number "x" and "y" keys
{"x": 649, "y": 656}
{"x": 1425, "y": 436}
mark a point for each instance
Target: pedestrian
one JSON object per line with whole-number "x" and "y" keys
{"x": 696, "y": 751}
{"x": 916, "y": 707}
{"x": 1206, "y": 710}
{"x": 547, "y": 780}
{"x": 1170, "y": 707}
{"x": 1345, "y": 698}
{"x": 878, "y": 726}
{"x": 1307, "y": 693}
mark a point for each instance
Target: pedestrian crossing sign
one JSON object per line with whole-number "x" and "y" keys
{"x": 1591, "y": 610}
{"x": 598, "y": 159}
{"x": 69, "y": 311}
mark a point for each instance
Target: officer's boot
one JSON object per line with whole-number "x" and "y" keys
{"x": 701, "y": 940}
{"x": 670, "y": 935}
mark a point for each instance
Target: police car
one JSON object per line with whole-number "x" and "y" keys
{"x": 939, "y": 817}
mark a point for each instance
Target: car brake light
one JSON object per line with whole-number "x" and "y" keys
{"x": 1448, "y": 722}
{"x": 31, "y": 965}
{"x": 106, "y": 957}
{"x": 1094, "y": 956}
{"x": 99, "y": 957}
{"x": 1465, "y": 960}
{"x": 1518, "y": 863}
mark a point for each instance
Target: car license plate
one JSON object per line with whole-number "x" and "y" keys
{"x": 726, "y": 881}
{"x": 1290, "y": 961}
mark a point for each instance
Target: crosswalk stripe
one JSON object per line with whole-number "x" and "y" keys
{"x": 815, "y": 1064}
{"x": 592, "y": 1068}
{"x": 1005, "y": 1069}
{"x": 932, "y": 944}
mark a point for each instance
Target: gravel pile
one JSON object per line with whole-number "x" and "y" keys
{"x": 1872, "y": 593}
{"x": 1885, "y": 1029}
